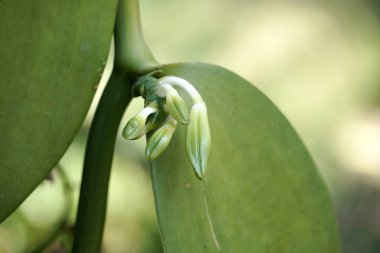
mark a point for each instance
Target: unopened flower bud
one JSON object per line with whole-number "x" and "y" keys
{"x": 175, "y": 104}
{"x": 164, "y": 108}
{"x": 198, "y": 139}
{"x": 135, "y": 127}
{"x": 159, "y": 141}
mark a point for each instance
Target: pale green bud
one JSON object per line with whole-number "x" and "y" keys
{"x": 177, "y": 107}
{"x": 175, "y": 104}
{"x": 198, "y": 139}
{"x": 159, "y": 141}
{"x": 135, "y": 127}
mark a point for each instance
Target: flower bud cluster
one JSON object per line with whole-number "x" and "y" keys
{"x": 164, "y": 108}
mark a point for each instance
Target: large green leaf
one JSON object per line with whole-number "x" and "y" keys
{"x": 52, "y": 54}
{"x": 263, "y": 192}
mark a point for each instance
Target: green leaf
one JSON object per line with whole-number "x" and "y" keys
{"x": 52, "y": 55}
{"x": 263, "y": 192}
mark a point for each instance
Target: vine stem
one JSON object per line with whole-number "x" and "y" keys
{"x": 97, "y": 164}
{"x": 132, "y": 53}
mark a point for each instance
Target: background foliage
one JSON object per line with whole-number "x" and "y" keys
{"x": 317, "y": 60}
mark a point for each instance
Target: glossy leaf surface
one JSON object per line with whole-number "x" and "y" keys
{"x": 263, "y": 193}
{"x": 52, "y": 55}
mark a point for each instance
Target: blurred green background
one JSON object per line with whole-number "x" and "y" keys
{"x": 318, "y": 61}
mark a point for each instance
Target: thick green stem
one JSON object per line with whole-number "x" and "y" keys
{"x": 132, "y": 54}
{"x": 97, "y": 165}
